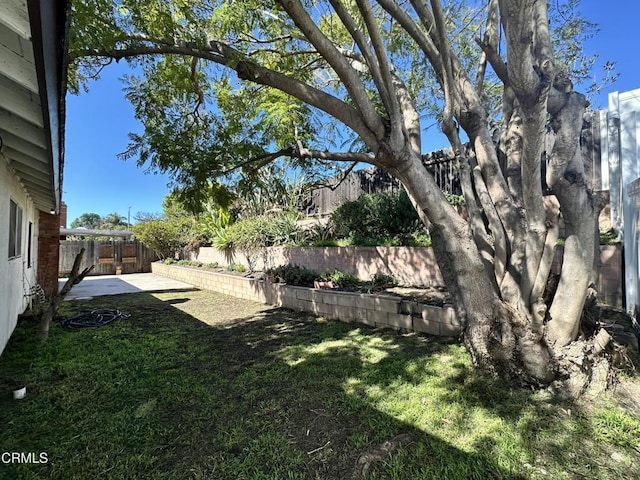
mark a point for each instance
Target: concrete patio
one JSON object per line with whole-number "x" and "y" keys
{"x": 116, "y": 284}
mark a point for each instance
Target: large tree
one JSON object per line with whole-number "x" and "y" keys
{"x": 311, "y": 76}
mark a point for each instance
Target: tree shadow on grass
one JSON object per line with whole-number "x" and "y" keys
{"x": 253, "y": 393}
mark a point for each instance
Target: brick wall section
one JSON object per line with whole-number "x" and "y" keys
{"x": 374, "y": 310}
{"x": 63, "y": 215}
{"x": 48, "y": 251}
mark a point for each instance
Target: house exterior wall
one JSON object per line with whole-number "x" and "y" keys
{"x": 16, "y": 275}
{"x": 621, "y": 153}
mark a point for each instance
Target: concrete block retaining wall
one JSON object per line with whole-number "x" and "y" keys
{"x": 409, "y": 265}
{"x": 374, "y": 310}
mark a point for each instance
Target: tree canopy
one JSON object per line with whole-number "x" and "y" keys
{"x": 203, "y": 124}
{"x": 225, "y": 88}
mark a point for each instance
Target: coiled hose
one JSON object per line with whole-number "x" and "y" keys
{"x": 94, "y": 318}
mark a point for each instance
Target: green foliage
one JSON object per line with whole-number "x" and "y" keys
{"x": 236, "y": 267}
{"x": 340, "y": 279}
{"x": 169, "y": 260}
{"x": 610, "y": 237}
{"x": 320, "y": 235}
{"x": 92, "y": 221}
{"x": 455, "y": 200}
{"x": 213, "y": 222}
{"x": 162, "y": 236}
{"x": 383, "y": 279}
{"x": 114, "y": 221}
{"x": 378, "y": 218}
{"x": 293, "y": 275}
{"x": 255, "y": 233}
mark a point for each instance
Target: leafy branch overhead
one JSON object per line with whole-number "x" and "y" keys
{"x": 226, "y": 88}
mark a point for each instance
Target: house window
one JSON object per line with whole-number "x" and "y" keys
{"x": 29, "y": 242}
{"x": 15, "y": 230}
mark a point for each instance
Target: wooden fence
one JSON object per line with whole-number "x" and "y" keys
{"x": 108, "y": 256}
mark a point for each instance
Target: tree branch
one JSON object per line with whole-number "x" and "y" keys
{"x": 330, "y": 53}
{"x": 365, "y": 55}
{"x": 490, "y": 40}
{"x": 393, "y": 109}
{"x": 229, "y": 57}
{"x": 424, "y": 42}
{"x": 517, "y": 18}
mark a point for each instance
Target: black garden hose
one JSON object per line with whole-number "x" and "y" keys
{"x": 94, "y": 318}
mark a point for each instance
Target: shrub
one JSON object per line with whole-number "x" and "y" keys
{"x": 340, "y": 279}
{"x": 212, "y": 265}
{"x": 293, "y": 275}
{"x": 378, "y": 219}
{"x": 169, "y": 260}
{"x": 163, "y": 236}
{"x": 261, "y": 231}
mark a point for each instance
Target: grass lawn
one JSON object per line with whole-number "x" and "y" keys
{"x": 196, "y": 385}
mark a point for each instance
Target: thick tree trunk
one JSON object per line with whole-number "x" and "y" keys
{"x": 499, "y": 338}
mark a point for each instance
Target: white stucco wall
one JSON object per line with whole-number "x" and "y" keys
{"x": 621, "y": 152}
{"x": 16, "y": 278}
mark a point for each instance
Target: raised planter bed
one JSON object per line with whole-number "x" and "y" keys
{"x": 376, "y": 310}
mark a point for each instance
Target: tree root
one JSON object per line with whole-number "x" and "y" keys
{"x": 585, "y": 367}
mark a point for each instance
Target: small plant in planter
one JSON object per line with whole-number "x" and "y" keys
{"x": 236, "y": 267}
{"x": 338, "y": 279}
{"x": 291, "y": 275}
{"x": 381, "y": 280}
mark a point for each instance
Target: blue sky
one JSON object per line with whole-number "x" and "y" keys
{"x": 98, "y": 122}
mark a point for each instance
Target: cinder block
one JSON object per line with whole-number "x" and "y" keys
{"x": 346, "y": 300}
{"x": 450, "y": 316}
{"x": 304, "y": 305}
{"x": 399, "y": 321}
{"x": 343, "y": 313}
{"x": 387, "y": 304}
{"x": 360, "y": 314}
{"x": 368, "y": 302}
{"x": 450, "y": 330}
{"x": 330, "y": 298}
{"x": 430, "y": 312}
{"x": 424, "y": 325}
{"x": 288, "y": 301}
{"x": 376, "y": 317}
{"x": 303, "y": 293}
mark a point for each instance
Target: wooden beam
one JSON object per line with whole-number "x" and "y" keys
{"x": 39, "y": 194}
{"x": 35, "y": 180}
{"x": 20, "y": 145}
{"x": 30, "y": 162}
{"x": 14, "y": 125}
{"x": 20, "y": 101}
{"x": 18, "y": 69}
{"x": 14, "y": 15}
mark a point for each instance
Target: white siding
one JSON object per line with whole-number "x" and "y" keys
{"x": 16, "y": 278}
